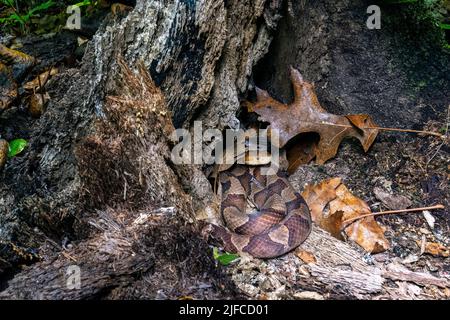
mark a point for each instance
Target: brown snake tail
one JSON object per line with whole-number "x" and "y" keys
{"x": 276, "y": 221}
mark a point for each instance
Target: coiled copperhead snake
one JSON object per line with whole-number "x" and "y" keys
{"x": 264, "y": 216}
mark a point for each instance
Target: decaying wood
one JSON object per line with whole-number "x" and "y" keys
{"x": 119, "y": 252}
{"x": 200, "y": 53}
{"x": 108, "y": 260}
{"x": 124, "y": 168}
{"x": 333, "y": 267}
{"x": 340, "y": 264}
{"x": 396, "y": 271}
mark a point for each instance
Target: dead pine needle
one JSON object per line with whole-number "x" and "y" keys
{"x": 347, "y": 222}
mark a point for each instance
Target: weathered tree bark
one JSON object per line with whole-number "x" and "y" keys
{"x": 76, "y": 169}
{"x": 111, "y": 191}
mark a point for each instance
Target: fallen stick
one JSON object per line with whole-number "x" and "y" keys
{"x": 347, "y": 222}
{"x": 431, "y": 133}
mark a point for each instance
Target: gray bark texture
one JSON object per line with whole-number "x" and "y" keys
{"x": 201, "y": 55}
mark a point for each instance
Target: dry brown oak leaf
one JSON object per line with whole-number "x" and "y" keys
{"x": 331, "y": 203}
{"x": 305, "y": 115}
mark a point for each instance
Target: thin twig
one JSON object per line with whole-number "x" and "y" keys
{"x": 347, "y": 222}
{"x": 432, "y": 133}
{"x": 437, "y": 134}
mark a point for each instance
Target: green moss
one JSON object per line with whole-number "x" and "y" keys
{"x": 421, "y": 20}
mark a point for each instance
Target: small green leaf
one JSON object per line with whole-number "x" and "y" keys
{"x": 16, "y": 146}
{"x": 224, "y": 258}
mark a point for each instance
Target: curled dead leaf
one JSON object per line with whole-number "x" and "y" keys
{"x": 331, "y": 203}
{"x": 308, "y": 295}
{"x": 306, "y": 115}
{"x": 366, "y": 232}
{"x": 318, "y": 196}
{"x": 368, "y": 129}
{"x": 40, "y": 81}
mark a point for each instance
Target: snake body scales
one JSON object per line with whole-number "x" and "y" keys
{"x": 264, "y": 216}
